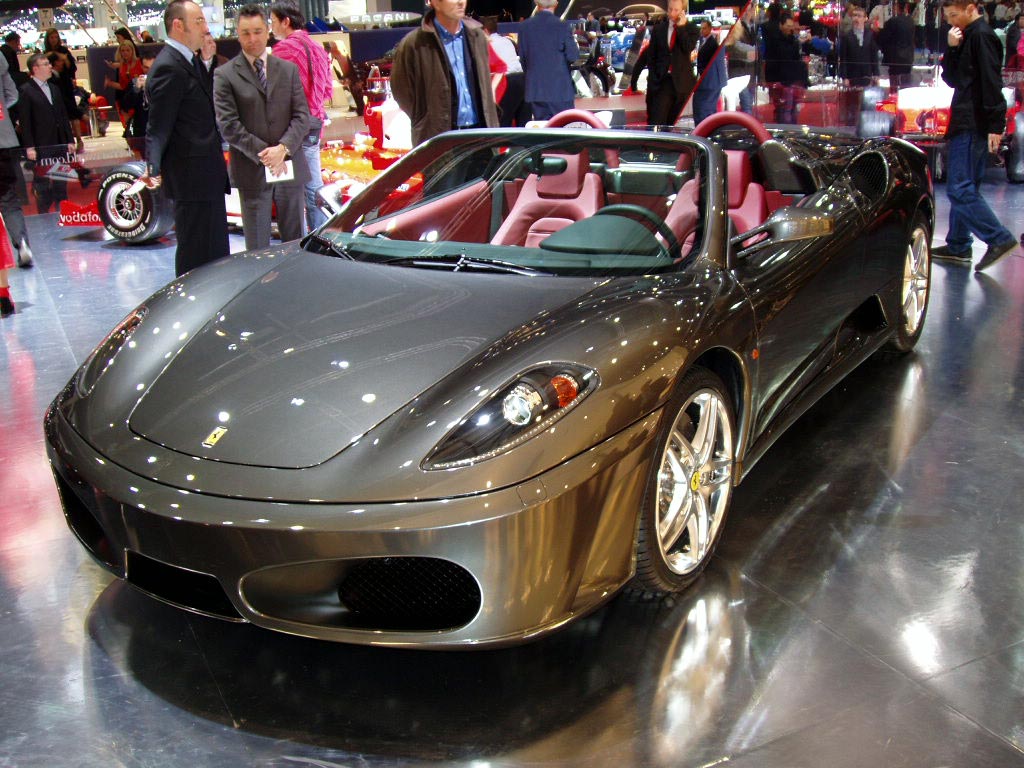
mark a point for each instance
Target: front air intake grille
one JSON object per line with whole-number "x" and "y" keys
{"x": 869, "y": 175}
{"x": 410, "y": 594}
{"x": 83, "y": 523}
{"x": 187, "y": 589}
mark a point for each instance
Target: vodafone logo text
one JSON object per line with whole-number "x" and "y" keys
{"x": 72, "y": 215}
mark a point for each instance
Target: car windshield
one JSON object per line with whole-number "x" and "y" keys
{"x": 529, "y": 202}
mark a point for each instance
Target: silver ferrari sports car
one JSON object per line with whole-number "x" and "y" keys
{"x": 521, "y": 370}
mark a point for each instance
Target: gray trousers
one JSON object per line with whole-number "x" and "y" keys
{"x": 257, "y": 204}
{"x": 13, "y": 194}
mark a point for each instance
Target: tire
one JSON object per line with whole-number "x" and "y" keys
{"x": 135, "y": 218}
{"x": 871, "y": 124}
{"x": 689, "y": 487}
{"x": 915, "y": 287}
{"x": 871, "y": 96}
{"x": 937, "y": 162}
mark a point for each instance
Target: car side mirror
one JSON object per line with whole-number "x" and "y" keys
{"x": 785, "y": 225}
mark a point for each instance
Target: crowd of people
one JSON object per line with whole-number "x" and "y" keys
{"x": 181, "y": 107}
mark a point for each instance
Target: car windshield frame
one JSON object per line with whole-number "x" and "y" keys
{"x": 555, "y": 202}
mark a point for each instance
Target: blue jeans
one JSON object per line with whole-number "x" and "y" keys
{"x": 747, "y": 98}
{"x": 314, "y": 216}
{"x": 968, "y": 212}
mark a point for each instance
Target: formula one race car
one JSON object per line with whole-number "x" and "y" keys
{"x": 140, "y": 216}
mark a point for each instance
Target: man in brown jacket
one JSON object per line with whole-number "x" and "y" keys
{"x": 441, "y": 76}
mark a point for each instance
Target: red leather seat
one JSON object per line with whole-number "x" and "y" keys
{"x": 559, "y": 199}
{"x": 683, "y": 215}
{"x": 748, "y": 203}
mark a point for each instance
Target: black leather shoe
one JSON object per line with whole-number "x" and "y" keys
{"x": 6, "y": 306}
{"x": 995, "y": 253}
{"x": 945, "y": 253}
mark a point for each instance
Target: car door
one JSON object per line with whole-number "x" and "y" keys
{"x": 801, "y": 293}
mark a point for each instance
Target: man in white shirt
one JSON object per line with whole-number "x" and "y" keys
{"x": 880, "y": 14}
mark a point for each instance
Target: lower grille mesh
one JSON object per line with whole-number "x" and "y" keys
{"x": 410, "y": 593}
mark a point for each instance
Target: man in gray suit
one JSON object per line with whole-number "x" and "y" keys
{"x": 263, "y": 115}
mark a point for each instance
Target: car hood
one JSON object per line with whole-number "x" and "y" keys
{"x": 317, "y": 352}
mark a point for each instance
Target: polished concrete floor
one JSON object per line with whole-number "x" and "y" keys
{"x": 866, "y": 607}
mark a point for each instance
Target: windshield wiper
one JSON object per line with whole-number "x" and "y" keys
{"x": 331, "y": 247}
{"x": 462, "y": 263}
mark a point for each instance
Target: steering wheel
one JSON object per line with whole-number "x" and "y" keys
{"x": 567, "y": 116}
{"x": 713, "y": 122}
{"x": 649, "y": 219}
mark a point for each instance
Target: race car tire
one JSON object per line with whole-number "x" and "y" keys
{"x": 135, "y": 218}
{"x": 872, "y": 96}
{"x": 871, "y": 124}
{"x": 937, "y": 162}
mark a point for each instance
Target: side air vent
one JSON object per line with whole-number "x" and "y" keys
{"x": 869, "y": 175}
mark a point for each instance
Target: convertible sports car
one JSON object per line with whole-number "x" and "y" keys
{"x": 521, "y": 370}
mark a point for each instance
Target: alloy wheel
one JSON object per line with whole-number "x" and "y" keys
{"x": 694, "y": 481}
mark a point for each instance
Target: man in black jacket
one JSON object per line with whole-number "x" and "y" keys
{"x": 977, "y": 118}
{"x": 182, "y": 144}
{"x": 896, "y": 39}
{"x": 45, "y": 132}
{"x": 857, "y": 54}
{"x": 784, "y": 68}
{"x": 670, "y": 55}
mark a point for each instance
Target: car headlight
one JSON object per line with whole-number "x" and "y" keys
{"x": 514, "y": 414}
{"x": 103, "y": 356}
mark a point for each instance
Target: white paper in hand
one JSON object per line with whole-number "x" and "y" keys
{"x": 288, "y": 175}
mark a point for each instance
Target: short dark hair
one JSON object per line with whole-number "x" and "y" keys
{"x": 490, "y": 24}
{"x": 175, "y": 10}
{"x": 123, "y": 32}
{"x": 286, "y": 10}
{"x": 251, "y": 10}
{"x": 12, "y": 37}
{"x": 960, "y": 3}
{"x": 34, "y": 59}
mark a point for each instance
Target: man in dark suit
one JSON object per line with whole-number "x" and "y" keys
{"x": 857, "y": 55}
{"x": 263, "y": 115}
{"x": 896, "y": 39}
{"x": 711, "y": 74}
{"x": 45, "y": 132}
{"x": 182, "y": 144}
{"x": 670, "y": 77}
{"x": 547, "y": 48}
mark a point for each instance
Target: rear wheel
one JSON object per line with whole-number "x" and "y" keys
{"x": 133, "y": 218}
{"x": 690, "y": 485}
{"x": 916, "y": 287}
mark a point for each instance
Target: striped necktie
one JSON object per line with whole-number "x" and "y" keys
{"x": 261, "y": 73}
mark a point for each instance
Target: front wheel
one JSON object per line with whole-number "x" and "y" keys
{"x": 916, "y": 287}
{"x": 133, "y": 218}
{"x": 689, "y": 488}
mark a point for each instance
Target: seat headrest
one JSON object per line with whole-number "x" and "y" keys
{"x": 741, "y": 176}
{"x": 569, "y": 182}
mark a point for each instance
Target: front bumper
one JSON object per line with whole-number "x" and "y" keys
{"x": 493, "y": 568}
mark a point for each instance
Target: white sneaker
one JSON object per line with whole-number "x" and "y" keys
{"x": 24, "y": 254}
